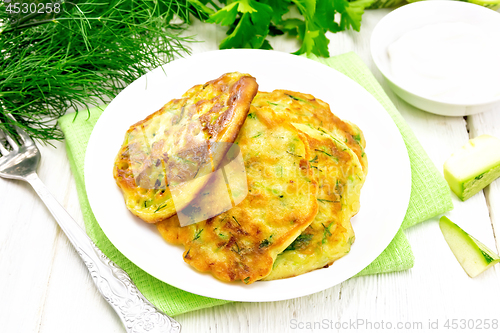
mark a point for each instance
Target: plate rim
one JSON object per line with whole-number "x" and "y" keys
{"x": 293, "y": 294}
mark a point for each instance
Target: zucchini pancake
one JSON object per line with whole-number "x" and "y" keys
{"x": 292, "y": 195}
{"x": 339, "y": 165}
{"x": 330, "y": 236}
{"x": 163, "y": 159}
{"x": 243, "y": 242}
{"x": 305, "y": 109}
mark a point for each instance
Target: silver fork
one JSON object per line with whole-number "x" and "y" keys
{"x": 134, "y": 310}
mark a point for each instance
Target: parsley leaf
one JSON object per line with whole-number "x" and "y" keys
{"x": 252, "y": 27}
{"x": 251, "y": 21}
{"x": 351, "y": 13}
{"x": 280, "y": 8}
{"x": 225, "y": 16}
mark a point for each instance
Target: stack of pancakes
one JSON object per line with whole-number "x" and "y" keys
{"x": 304, "y": 171}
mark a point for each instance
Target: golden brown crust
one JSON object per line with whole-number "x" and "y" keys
{"x": 243, "y": 242}
{"x": 329, "y": 237}
{"x": 304, "y": 171}
{"x": 306, "y": 109}
{"x": 168, "y": 151}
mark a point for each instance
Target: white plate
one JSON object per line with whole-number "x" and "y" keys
{"x": 417, "y": 15}
{"x": 384, "y": 198}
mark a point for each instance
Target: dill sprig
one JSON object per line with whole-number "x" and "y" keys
{"x": 83, "y": 56}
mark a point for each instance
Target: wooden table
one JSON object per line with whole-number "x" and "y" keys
{"x": 46, "y": 288}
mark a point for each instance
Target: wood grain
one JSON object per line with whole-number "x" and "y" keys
{"x": 489, "y": 123}
{"x": 45, "y": 287}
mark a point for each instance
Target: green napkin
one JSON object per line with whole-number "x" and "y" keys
{"x": 430, "y": 196}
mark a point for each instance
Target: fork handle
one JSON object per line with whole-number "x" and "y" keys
{"x": 114, "y": 284}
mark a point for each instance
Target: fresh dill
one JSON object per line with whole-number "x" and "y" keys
{"x": 160, "y": 207}
{"x": 234, "y": 218}
{"x": 198, "y": 234}
{"x": 300, "y": 242}
{"x": 324, "y": 152}
{"x": 82, "y": 56}
{"x": 326, "y": 233}
{"x": 237, "y": 249}
{"x": 324, "y": 200}
{"x": 314, "y": 160}
{"x": 293, "y": 154}
{"x": 264, "y": 243}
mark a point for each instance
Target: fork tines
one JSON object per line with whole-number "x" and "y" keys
{"x": 26, "y": 139}
{"x": 3, "y": 150}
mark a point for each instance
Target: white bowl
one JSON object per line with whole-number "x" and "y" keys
{"x": 417, "y": 15}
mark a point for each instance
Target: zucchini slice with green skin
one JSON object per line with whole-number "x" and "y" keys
{"x": 473, "y": 256}
{"x": 474, "y": 166}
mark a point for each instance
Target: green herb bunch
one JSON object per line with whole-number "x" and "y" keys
{"x": 81, "y": 56}
{"x": 251, "y": 21}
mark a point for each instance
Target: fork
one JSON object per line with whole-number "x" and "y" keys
{"x": 135, "y": 311}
